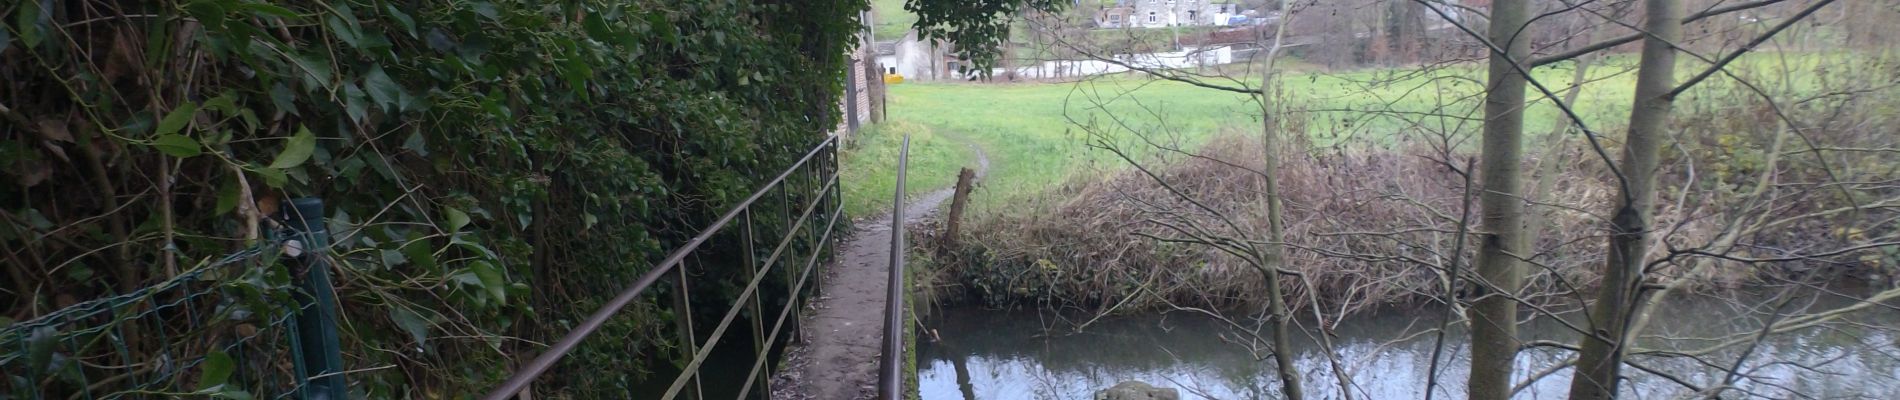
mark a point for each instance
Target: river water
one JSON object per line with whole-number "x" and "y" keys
{"x": 985, "y": 354}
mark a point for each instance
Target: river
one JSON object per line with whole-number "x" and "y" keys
{"x": 985, "y": 354}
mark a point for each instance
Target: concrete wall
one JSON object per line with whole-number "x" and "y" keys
{"x": 913, "y": 59}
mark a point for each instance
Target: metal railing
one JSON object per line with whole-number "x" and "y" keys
{"x": 890, "y": 376}
{"x": 816, "y": 171}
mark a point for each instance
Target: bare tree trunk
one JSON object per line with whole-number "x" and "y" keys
{"x": 1276, "y": 227}
{"x": 958, "y": 199}
{"x": 1601, "y": 358}
{"x": 1494, "y": 340}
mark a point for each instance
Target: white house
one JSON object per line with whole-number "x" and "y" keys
{"x": 1166, "y": 13}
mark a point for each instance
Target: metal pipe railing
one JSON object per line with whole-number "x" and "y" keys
{"x": 826, "y": 194}
{"x": 890, "y": 382}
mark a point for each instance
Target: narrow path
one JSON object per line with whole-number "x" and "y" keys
{"x": 839, "y": 357}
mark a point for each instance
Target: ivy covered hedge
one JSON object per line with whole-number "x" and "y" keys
{"x": 494, "y": 168}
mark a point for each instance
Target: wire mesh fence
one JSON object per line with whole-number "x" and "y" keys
{"x": 221, "y": 329}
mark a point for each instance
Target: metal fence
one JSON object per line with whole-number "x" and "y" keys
{"x": 810, "y": 187}
{"x": 250, "y": 326}
{"x": 231, "y": 327}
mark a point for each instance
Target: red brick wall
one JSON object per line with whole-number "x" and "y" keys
{"x": 861, "y": 84}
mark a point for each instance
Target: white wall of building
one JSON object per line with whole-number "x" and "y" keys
{"x": 912, "y": 59}
{"x": 1189, "y": 58}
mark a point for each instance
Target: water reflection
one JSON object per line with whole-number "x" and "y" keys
{"x": 1009, "y": 355}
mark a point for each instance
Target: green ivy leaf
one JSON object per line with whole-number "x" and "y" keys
{"x": 207, "y": 12}
{"x": 281, "y": 97}
{"x": 177, "y": 119}
{"x": 39, "y": 349}
{"x": 297, "y": 150}
{"x": 225, "y": 103}
{"x": 227, "y": 197}
{"x": 177, "y": 145}
{"x": 354, "y": 102}
{"x": 273, "y": 177}
{"x": 215, "y": 370}
{"x": 270, "y": 9}
{"x": 381, "y": 89}
{"x": 27, "y": 20}
{"x": 416, "y": 143}
{"x": 343, "y": 31}
{"x": 419, "y": 253}
{"x": 317, "y": 72}
{"x": 414, "y": 323}
{"x": 408, "y": 24}
{"x": 491, "y": 280}
{"x": 457, "y": 219}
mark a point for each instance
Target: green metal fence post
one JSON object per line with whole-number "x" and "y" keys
{"x": 318, "y": 349}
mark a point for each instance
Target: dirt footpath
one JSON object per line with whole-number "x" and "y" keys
{"x": 844, "y": 331}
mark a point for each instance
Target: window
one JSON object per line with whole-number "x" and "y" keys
{"x": 1151, "y": 16}
{"x": 1115, "y": 18}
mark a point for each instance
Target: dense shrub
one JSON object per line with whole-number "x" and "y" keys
{"x": 495, "y": 168}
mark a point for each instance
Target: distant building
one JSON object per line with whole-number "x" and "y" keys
{"x": 917, "y": 59}
{"x": 1116, "y": 17}
{"x": 1166, "y": 13}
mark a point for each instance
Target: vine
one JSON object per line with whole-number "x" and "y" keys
{"x": 494, "y": 168}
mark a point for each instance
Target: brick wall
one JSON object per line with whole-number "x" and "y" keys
{"x": 862, "y": 79}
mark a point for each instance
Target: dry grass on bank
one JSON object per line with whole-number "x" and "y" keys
{"x": 1366, "y": 227}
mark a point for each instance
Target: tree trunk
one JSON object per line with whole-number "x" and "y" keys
{"x": 1276, "y": 227}
{"x": 966, "y": 179}
{"x": 1601, "y": 358}
{"x": 1494, "y": 341}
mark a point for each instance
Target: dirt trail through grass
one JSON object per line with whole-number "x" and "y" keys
{"x": 839, "y": 358}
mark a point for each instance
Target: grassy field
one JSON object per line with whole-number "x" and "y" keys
{"x": 889, "y": 20}
{"x": 869, "y": 170}
{"x": 1027, "y": 130}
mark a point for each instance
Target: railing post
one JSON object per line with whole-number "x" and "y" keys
{"x": 683, "y": 320}
{"x": 318, "y": 349}
{"x": 758, "y": 314}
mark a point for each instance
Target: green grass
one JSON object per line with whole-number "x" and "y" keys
{"x": 1033, "y": 147}
{"x": 889, "y": 20}
{"x": 869, "y": 171}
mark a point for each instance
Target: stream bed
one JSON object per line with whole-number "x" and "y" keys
{"x": 987, "y": 354}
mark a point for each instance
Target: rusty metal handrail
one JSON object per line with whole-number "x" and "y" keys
{"x": 890, "y": 382}
{"x": 826, "y": 194}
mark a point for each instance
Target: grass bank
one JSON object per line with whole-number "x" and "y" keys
{"x": 1029, "y": 129}
{"x": 889, "y": 20}
{"x": 868, "y": 170}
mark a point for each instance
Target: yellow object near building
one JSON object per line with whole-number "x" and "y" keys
{"x": 893, "y": 78}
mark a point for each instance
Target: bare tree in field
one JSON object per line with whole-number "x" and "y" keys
{"x": 1607, "y": 342}
{"x": 1274, "y": 253}
{"x": 1494, "y": 314}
